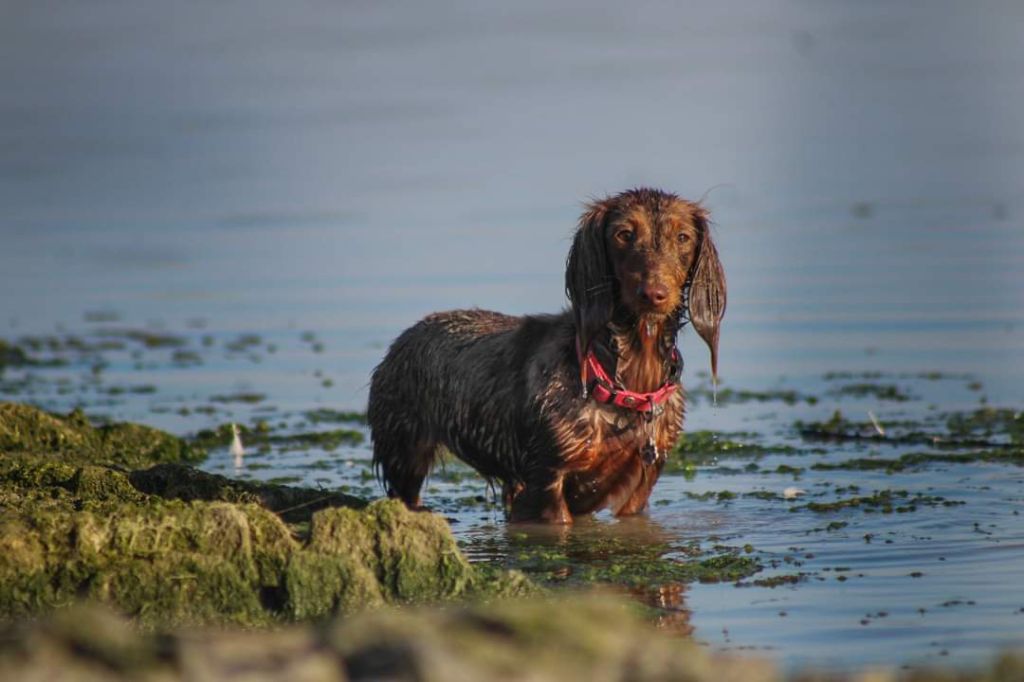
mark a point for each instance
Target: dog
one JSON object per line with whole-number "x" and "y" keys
{"x": 571, "y": 413}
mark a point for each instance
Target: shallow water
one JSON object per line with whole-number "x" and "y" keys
{"x": 216, "y": 172}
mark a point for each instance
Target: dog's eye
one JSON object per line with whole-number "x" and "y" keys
{"x": 683, "y": 237}
{"x": 625, "y": 236}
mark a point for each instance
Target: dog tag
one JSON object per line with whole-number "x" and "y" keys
{"x": 650, "y": 452}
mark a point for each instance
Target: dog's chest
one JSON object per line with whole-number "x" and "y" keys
{"x": 610, "y": 430}
{"x": 616, "y": 452}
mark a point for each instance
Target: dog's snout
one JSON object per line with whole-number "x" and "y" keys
{"x": 654, "y": 293}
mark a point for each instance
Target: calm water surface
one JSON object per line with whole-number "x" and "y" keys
{"x": 322, "y": 176}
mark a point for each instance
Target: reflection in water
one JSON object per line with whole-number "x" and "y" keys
{"x": 637, "y": 555}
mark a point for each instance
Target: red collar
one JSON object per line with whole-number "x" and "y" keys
{"x": 597, "y": 383}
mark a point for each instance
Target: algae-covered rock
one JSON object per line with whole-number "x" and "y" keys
{"x": 168, "y": 561}
{"x": 383, "y": 554}
{"x": 170, "y": 544}
{"x": 27, "y": 429}
{"x": 69, "y": 531}
{"x": 163, "y": 561}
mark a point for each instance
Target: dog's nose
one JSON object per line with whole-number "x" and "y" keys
{"x": 655, "y": 293}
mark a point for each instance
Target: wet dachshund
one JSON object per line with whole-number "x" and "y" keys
{"x": 575, "y": 412}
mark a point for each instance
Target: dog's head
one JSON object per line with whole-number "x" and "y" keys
{"x": 647, "y": 254}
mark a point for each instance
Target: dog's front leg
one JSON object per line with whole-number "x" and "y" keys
{"x": 541, "y": 500}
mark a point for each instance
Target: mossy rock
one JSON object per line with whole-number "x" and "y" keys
{"x": 42, "y": 482}
{"x": 70, "y": 531}
{"x": 163, "y": 561}
{"x": 170, "y": 544}
{"x": 384, "y": 554}
{"x": 24, "y": 428}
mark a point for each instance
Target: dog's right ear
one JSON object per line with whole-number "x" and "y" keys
{"x": 589, "y": 281}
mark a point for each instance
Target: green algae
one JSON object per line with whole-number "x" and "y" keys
{"x": 586, "y": 559}
{"x": 787, "y": 579}
{"x": 729, "y": 396}
{"x": 720, "y": 443}
{"x": 170, "y": 544}
{"x": 890, "y": 392}
{"x": 171, "y": 561}
{"x": 884, "y": 501}
{"x": 13, "y": 356}
{"x": 913, "y": 459}
{"x": 987, "y": 422}
{"x": 26, "y": 429}
{"x": 328, "y": 416}
{"x": 150, "y": 339}
{"x": 161, "y": 561}
{"x": 262, "y": 435}
{"x": 703, "y": 447}
{"x": 239, "y": 398}
{"x": 988, "y": 428}
{"x": 383, "y": 554}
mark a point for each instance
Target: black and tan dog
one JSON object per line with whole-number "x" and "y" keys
{"x": 573, "y": 412}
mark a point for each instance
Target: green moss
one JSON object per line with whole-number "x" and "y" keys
{"x": 160, "y": 561}
{"x": 885, "y": 501}
{"x": 989, "y": 421}
{"x": 776, "y": 581}
{"x": 325, "y": 415}
{"x": 26, "y": 429}
{"x": 586, "y": 560}
{"x": 910, "y": 459}
{"x": 726, "y": 396}
{"x": 13, "y": 356}
{"x": 174, "y": 545}
{"x": 261, "y": 434}
{"x": 697, "y": 448}
{"x": 987, "y": 428}
{"x": 239, "y": 398}
{"x": 873, "y": 390}
{"x": 384, "y": 554}
{"x": 153, "y": 339}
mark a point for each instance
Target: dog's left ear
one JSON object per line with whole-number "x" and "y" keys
{"x": 589, "y": 281}
{"x": 707, "y": 295}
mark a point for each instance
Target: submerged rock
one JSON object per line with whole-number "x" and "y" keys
{"x": 171, "y": 545}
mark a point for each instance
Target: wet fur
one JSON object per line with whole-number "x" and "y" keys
{"x": 504, "y": 393}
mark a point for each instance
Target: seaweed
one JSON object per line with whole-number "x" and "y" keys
{"x": 26, "y": 429}
{"x": 173, "y": 545}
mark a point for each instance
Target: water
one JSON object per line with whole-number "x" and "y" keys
{"x": 211, "y": 172}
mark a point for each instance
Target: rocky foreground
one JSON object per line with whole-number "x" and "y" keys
{"x": 81, "y": 518}
{"x": 118, "y": 560}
